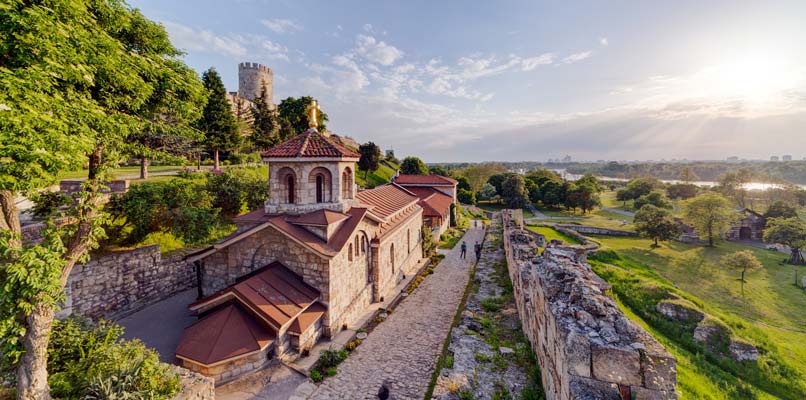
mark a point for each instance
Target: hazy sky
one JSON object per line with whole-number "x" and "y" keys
{"x": 523, "y": 80}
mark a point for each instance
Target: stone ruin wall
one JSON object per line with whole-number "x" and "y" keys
{"x": 253, "y": 78}
{"x": 123, "y": 282}
{"x": 585, "y": 345}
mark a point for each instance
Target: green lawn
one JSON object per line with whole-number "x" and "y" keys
{"x": 380, "y": 177}
{"x": 551, "y": 233}
{"x": 771, "y": 309}
{"x": 121, "y": 171}
{"x": 450, "y": 238}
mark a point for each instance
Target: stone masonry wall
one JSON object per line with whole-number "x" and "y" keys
{"x": 125, "y": 281}
{"x": 595, "y": 230}
{"x": 585, "y": 345}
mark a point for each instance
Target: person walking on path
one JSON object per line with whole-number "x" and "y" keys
{"x": 477, "y": 249}
{"x": 463, "y": 254}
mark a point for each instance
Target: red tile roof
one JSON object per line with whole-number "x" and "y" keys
{"x": 309, "y": 144}
{"x": 319, "y": 217}
{"x": 434, "y": 202}
{"x": 274, "y": 293}
{"x": 387, "y": 200}
{"x": 226, "y": 333}
{"x": 436, "y": 180}
{"x": 307, "y": 318}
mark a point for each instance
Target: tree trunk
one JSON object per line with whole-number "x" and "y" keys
{"x": 198, "y": 161}
{"x": 215, "y": 160}
{"x": 796, "y": 257}
{"x": 32, "y": 373}
{"x": 143, "y": 168}
{"x": 94, "y": 163}
{"x": 10, "y": 220}
{"x": 656, "y": 242}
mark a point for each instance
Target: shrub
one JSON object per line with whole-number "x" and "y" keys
{"x": 46, "y": 203}
{"x": 89, "y": 360}
{"x": 316, "y": 376}
{"x": 237, "y": 189}
{"x": 178, "y": 205}
{"x": 332, "y": 371}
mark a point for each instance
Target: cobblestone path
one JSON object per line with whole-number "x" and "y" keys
{"x": 403, "y": 350}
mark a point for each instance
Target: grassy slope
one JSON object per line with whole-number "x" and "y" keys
{"x": 121, "y": 171}
{"x": 551, "y": 233}
{"x": 771, "y": 307}
{"x": 380, "y": 177}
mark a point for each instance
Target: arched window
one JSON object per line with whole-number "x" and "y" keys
{"x": 290, "y": 184}
{"x": 350, "y": 252}
{"x": 347, "y": 184}
{"x": 363, "y": 245}
{"x": 392, "y": 256}
{"x": 319, "y": 180}
{"x": 408, "y": 241}
{"x": 320, "y": 188}
{"x": 356, "y": 246}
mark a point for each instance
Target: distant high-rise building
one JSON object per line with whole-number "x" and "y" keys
{"x": 774, "y": 158}
{"x": 567, "y": 159}
{"x": 787, "y": 158}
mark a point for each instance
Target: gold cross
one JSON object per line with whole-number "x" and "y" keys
{"x": 312, "y": 109}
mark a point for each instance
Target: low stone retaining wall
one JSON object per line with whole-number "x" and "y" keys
{"x": 585, "y": 345}
{"x": 123, "y": 282}
{"x": 595, "y": 230}
{"x": 194, "y": 386}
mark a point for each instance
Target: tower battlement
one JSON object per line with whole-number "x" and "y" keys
{"x": 253, "y": 78}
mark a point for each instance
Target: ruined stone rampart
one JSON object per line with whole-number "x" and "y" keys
{"x": 595, "y": 230}
{"x": 585, "y": 345}
{"x": 123, "y": 282}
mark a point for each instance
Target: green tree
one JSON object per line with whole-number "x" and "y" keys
{"x": 479, "y": 174}
{"x": 743, "y": 260}
{"x": 265, "y": 123}
{"x": 790, "y": 232}
{"x": 656, "y": 224}
{"x": 413, "y": 166}
{"x": 639, "y": 186}
{"x": 217, "y": 122}
{"x": 681, "y": 191}
{"x": 438, "y": 170}
{"x": 513, "y": 191}
{"x": 76, "y": 80}
{"x": 466, "y": 196}
{"x": 732, "y": 184}
{"x": 370, "y": 159}
{"x": 293, "y": 114}
{"x": 497, "y": 181}
{"x": 541, "y": 175}
{"x": 654, "y": 198}
{"x": 582, "y": 194}
{"x": 710, "y": 214}
{"x": 487, "y": 192}
{"x": 781, "y": 209}
{"x": 462, "y": 183}
{"x": 687, "y": 175}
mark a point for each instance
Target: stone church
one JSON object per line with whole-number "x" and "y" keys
{"x": 306, "y": 266}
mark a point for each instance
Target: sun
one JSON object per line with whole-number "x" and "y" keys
{"x": 753, "y": 78}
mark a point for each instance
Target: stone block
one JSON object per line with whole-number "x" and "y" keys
{"x": 641, "y": 393}
{"x": 611, "y": 364}
{"x": 578, "y": 355}
{"x": 660, "y": 372}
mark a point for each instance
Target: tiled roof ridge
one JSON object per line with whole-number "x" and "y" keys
{"x": 221, "y": 331}
{"x": 305, "y": 141}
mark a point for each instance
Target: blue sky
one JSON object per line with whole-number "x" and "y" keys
{"x": 523, "y": 80}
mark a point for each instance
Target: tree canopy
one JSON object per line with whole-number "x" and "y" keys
{"x": 370, "y": 159}
{"x": 656, "y": 223}
{"x": 265, "y": 123}
{"x": 654, "y": 198}
{"x": 790, "y": 232}
{"x": 217, "y": 122}
{"x": 293, "y": 114}
{"x": 710, "y": 214}
{"x": 413, "y": 166}
{"x": 77, "y": 80}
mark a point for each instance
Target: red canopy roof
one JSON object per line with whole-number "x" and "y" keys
{"x": 311, "y": 143}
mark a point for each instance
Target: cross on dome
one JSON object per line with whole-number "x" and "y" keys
{"x": 312, "y": 109}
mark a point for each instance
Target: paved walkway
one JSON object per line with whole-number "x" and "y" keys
{"x": 403, "y": 350}
{"x": 619, "y": 211}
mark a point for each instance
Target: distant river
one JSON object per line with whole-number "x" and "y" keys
{"x": 748, "y": 186}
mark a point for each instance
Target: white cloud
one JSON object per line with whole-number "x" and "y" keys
{"x": 377, "y": 51}
{"x": 577, "y": 57}
{"x": 603, "y": 41}
{"x": 274, "y": 50}
{"x": 528, "y": 64}
{"x": 199, "y": 40}
{"x": 281, "y": 25}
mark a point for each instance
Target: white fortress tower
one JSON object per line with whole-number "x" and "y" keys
{"x": 253, "y": 78}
